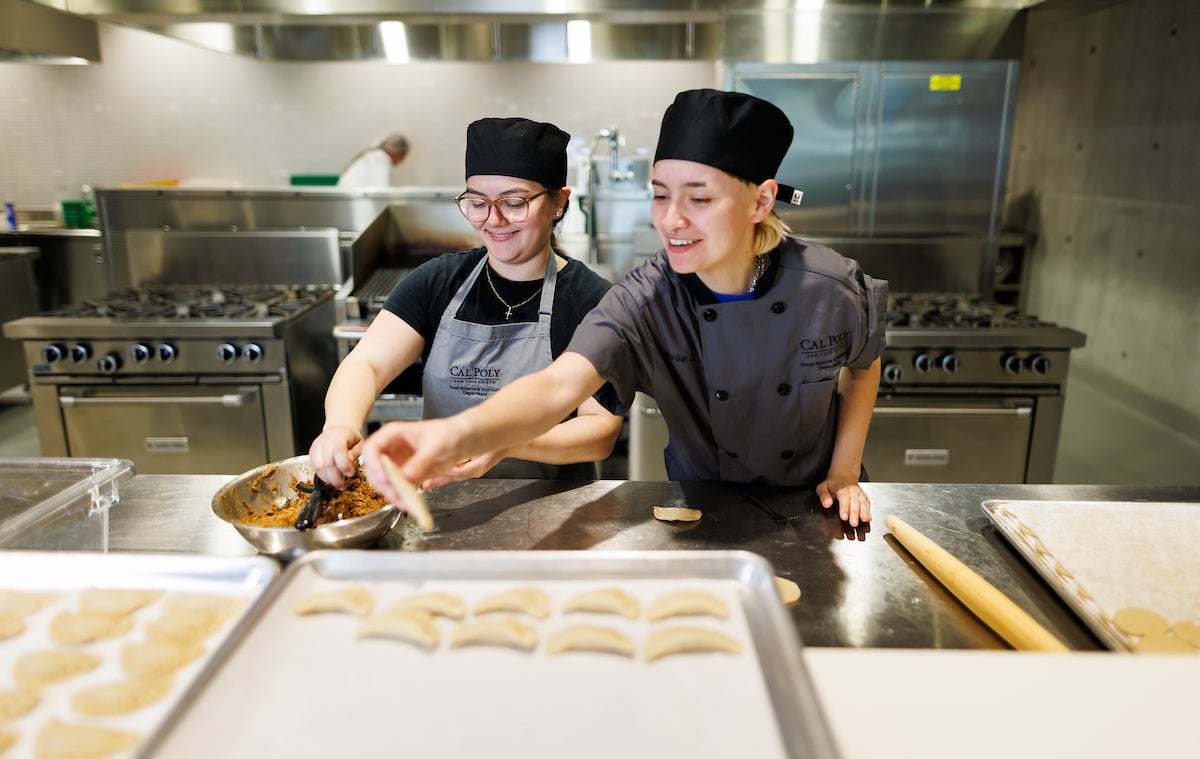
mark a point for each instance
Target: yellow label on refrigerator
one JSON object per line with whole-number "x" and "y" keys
{"x": 945, "y": 82}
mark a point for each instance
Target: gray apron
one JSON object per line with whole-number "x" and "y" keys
{"x": 469, "y": 362}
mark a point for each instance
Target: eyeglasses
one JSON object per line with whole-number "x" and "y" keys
{"x": 510, "y": 208}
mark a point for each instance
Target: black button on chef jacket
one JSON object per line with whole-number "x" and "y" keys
{"x": 747, "y": 388}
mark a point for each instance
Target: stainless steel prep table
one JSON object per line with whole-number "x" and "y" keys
{"x": 860, "y": 588}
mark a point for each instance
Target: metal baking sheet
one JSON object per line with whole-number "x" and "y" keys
{"x": 69, "y": 573}
{"x": 1102, "y": 556}
{"x": 305, "y": 686}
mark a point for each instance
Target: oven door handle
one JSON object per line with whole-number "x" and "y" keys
{"x": 951, "y": 411}
{"x": 243, "y": 398}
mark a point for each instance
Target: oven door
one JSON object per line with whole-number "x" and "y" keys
{"x": 168, "y": 428}
{"x": 978, "y": 438}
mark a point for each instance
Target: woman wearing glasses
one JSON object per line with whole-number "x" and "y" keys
{"x": 761, "y": 350}
{"x": 484, "y": 317}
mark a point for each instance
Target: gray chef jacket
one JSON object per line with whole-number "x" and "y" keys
{"x": 747, "y": 388}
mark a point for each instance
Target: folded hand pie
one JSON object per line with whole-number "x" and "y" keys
{"x": 523, "y": 600}
{"x": 668, "y": 641}
{"x": 355, "y": 599}
{"x": 605, "y": 601}
{"x": 403, "y": 623}
{"x": 589, "y": 638}
{"x": 687, "y": 603}
{"x": 509, "y": 632}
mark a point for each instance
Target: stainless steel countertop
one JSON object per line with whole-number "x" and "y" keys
{"x": 860, "y": 588}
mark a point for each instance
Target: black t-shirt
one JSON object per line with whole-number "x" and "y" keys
{"x": 422, "y": 296}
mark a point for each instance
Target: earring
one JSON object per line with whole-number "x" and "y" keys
{"x": 558, "y": 214}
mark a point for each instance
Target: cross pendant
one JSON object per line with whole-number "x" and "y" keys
{"x": 507, "y": 314}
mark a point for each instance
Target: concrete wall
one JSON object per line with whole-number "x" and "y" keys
{"x": 1106, "y": 171}
{"x": 157, "y": 108}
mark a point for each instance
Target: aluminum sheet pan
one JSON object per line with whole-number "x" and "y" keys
{"x": 66, "y": 574}
{"x": 1102, "y": 556}
{"x": 306, "y": 687}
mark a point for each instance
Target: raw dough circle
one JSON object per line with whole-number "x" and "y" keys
{"x": 1188, "y": 631}
{"x": 788, "y": 591}
{"x": 1137, "y": 621}
{"x": 677, "y": 514}
{"x": 1163, "y": 643}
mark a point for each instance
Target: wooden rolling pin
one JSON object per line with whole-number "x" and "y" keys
{"x": 997, "y": 610}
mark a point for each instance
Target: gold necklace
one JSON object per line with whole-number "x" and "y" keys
{"x": 487, "y": 272}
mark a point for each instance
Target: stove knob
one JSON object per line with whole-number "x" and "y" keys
{"x": 1039, "y": 364}
{"x": 79, "y": 353}
{"x": 109, "y": 364}
{"x": 252, "y": 352}
{"x": 950, "y": 363}
{"x": 1012, "y": 363}
{"x": 892, "y": 373}
{"x": 139, "y": 353}
{"x": 226, "y": 353}
{"x": 923, "y": 363}
{"x": 52, "y": 354}
{"x": 165, "y": 353}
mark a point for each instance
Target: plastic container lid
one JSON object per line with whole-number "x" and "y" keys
{"x": 58, "y": 502}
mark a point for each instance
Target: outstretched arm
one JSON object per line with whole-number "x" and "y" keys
{"x": 857, "y": 388}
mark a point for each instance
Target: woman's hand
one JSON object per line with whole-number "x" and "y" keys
{"x": 466, "y": 470}
{"x": 853, "y": 504}
{"x": 334, "y": 454}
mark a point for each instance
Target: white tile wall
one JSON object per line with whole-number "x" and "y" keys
{"x": 157, "y": 108}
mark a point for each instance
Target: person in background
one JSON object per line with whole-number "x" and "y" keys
{"x": 373, "y": 167}
{"x": 762, "y": 350}
{"x": 484, "y": 317}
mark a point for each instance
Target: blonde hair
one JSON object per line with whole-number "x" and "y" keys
{"x": 769, "y": 232}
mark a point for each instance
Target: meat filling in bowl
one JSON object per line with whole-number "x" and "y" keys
{"x": 357, "y": 499}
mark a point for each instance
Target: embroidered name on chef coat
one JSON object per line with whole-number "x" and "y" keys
{"x": 826, "y": 352}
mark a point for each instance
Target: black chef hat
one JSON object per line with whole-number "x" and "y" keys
{"x": 737, "y": 133}
{"x": 518, "y": 148}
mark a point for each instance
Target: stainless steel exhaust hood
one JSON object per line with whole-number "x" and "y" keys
{"x": 32, "y": 32}
{"x": 576, "y": 30}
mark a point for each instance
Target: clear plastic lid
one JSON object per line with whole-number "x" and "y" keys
{"x": 35, "y": 492}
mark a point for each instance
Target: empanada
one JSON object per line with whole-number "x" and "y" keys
{"x": 157, "y": 657}
{"x": 121, "y": 697}
{"x": 355, "y": 599}
{"x": 209, "y": 603}
{"x": 17, "y": 703}
{"x": 72, "y": 627}
{"x": 11, "y": 625}
{"x": 523, "y": 600}
{"x": 186, "y": 627}
{"x": 441, "y": 604}
{"x": 59, "y": 740}
{"x": 105, "y": 601}
{"x": 403, "y": 623}
{"x": 688, "y": 640}
{"x": 24, "y": 603}
{"x": 686, "y": 603}
{"x": 37, "y": 669}
{"x": 589, "y": 638}
{"x": 605, "y": 601}
{"x": 495, "y": 632}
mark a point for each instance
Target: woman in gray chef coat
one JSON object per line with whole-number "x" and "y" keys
{"x": 484, "y": 317}
{"x": 761, "y": 350}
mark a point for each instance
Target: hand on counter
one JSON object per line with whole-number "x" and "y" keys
{"x": 853, "y": 504}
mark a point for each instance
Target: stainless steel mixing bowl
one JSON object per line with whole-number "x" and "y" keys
{"x": 270, "y": 485}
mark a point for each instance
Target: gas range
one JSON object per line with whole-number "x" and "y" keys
{"x": 959, "y": 339}
{"x": 169, "y": 329}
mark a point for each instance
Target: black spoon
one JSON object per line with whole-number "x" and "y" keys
{"x": 307, "y": 519}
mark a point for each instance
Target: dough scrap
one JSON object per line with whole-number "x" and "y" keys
{"x": 789, "y": 592}
{"x": 1189, "y": 631}
{"x": 121, "y": 697}
{"x": 24, "y": 603}
{"x": 523, "y": 600}
{"x": 439, "y": 604}
{"x": 59, "y": 740}
{"x": 668, "y": 641}
{"x": 17, "y": 703}
{"x": 157, "y": 657}
{"x": 185, "y": 627}
{"x": 495, "y": 632}
{"x": 1138, "y": 621}
{"x": 113, "y": 602}
{"x": 355, "y": 599}
{"x": 72, "y": 627}
{"x": 605, "y": 601}
{"x": 11, "y": 625}
{"x": 37, "y": 669}
{"x": 677, "y": 514}
{"x": 687, "y": 603}
{"x": 1163, "y": 643}
{"x": 414, "y": 502}
{"x": 404, "y": 623}
{"x": 589, "y": 638}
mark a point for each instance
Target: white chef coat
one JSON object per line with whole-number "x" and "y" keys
{"x": 371, "y": 169}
